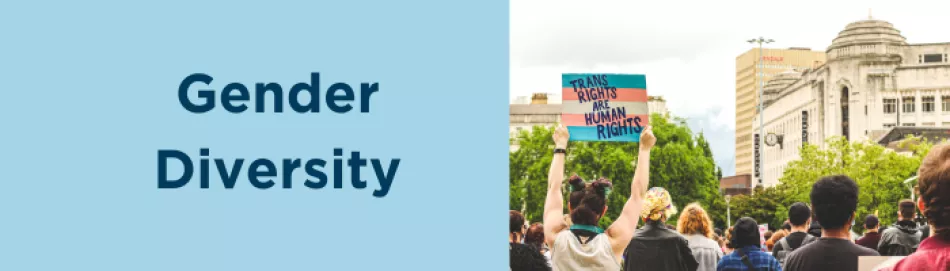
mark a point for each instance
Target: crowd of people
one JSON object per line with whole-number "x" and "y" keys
{"x": 816, "y": 236}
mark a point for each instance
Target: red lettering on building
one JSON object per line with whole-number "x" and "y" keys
{"x": 773, "y": 58}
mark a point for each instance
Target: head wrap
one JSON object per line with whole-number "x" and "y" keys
{"x": 657, "y": 204}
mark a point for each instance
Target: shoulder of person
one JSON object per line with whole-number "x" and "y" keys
{"x": 864, "y": 251}
{"x": 778, "y": 244}
{"x": 791, "y": 258}
{"x": 890, "y": 230}
{"x": 889, "y": 234}
{"x": 808, "y": 240}
{"x": 915, "y": 261}
{"x": 711, "y": 243}
{"x": 672, "y": 234}
{"x": 794, "y": 253}
{"x": 681, "y": 240}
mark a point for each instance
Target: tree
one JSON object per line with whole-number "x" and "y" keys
{"x": 528, "y": 172}
{"x": 680, "y": 162}
{"x": 879, "y": 173}
{"x": 764, "y": 205}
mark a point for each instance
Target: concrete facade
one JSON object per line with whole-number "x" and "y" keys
{"x": 872, "y": 81}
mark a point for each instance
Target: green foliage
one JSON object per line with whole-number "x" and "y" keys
{"x": 528, "y": 172}
{"x": 680, "y": 162}
{"x": 878, "y": 171}
{"x": 764, "y": 205}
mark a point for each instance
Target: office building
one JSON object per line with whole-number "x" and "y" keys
{"x": 748, "y": 80}
{"x": 872, "y": 82}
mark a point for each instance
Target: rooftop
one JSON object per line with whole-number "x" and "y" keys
{"x": 868, "y": 31}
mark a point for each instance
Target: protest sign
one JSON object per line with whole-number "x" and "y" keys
{"x": 604, "y": 107}
{"x": 873, "y": 263}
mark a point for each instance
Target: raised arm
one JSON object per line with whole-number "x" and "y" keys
{"x": 621, "y": 231}
{"x": 554, "y": 203}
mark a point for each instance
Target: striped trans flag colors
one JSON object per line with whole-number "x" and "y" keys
{"x": 604, "y": 107}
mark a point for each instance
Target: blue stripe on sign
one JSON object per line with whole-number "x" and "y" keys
{"x": 613, "y": 80}
{"x": 589, "y": 133}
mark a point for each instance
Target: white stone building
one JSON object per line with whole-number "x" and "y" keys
{"x": 873, "y": 80}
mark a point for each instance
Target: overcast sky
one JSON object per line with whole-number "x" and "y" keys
{"x": 688, "y": 50}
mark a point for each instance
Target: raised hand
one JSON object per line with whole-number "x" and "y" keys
{"x": 647, "y": 140}
{"x": 560, "y": 137}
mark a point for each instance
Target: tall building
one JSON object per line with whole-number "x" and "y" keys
{"x": 873, "y": 83}
{"x": 748, "y": 79}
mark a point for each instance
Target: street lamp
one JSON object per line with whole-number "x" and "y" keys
{"x": 910, "y": 186}
{"x": 761, "y": 108}
{"x": 728, "y": 211}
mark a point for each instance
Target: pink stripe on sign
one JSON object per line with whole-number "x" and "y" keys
{"x": 580, "y": 120}
{"x": 623, "y": 94}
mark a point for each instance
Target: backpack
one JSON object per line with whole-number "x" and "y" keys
{"x": 787, "y": 249}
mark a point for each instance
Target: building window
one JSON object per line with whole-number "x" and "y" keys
{"x": 908, "y": 104}
{"x": 928, "y": 124}
{"x": 889, "y": 125}
{"x": 910, "y": 124}
{"x": 928, "y": 103}
{"x": 890, "y": 106}
{"x": 945, "y": 100}
{"x": 845, "y": 131}
{"x": 933, "y": 58}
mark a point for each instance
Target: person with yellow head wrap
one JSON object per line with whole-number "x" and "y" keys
{"x": 657, "y": 205}
{"x": 655, "y": 246}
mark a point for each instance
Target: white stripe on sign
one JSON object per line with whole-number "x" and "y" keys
{"x": 633, "y": 108}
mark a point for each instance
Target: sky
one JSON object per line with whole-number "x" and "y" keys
{"x": 687, "y": 49}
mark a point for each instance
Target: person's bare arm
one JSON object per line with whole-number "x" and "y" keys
{"x": 621, "y": 231}
{"x": 554, "y": 203}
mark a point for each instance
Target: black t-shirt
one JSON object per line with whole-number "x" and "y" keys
{"x": 827, "y": 254}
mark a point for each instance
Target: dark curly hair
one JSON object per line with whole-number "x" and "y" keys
{"x": 834, "y": 199}
{"x": 535, "y": 236}
{"x": 933, "y": 184}
{"x": 798, "y": 214}
{"x": 588, "y": 201}
{"x": 515, "y": 222}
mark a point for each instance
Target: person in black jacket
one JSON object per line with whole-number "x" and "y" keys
{"x": 815, "y": 228}
{"x": 903, "y": 238}
{"x": 654, "y": 246}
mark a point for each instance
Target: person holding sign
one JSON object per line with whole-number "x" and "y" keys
{"x": 584, "y": 245}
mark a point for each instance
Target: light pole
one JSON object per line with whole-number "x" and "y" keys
{"x": 910, "y": 186}
{"x": 760, "y": 73}
{"x": 728, "y": 212}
